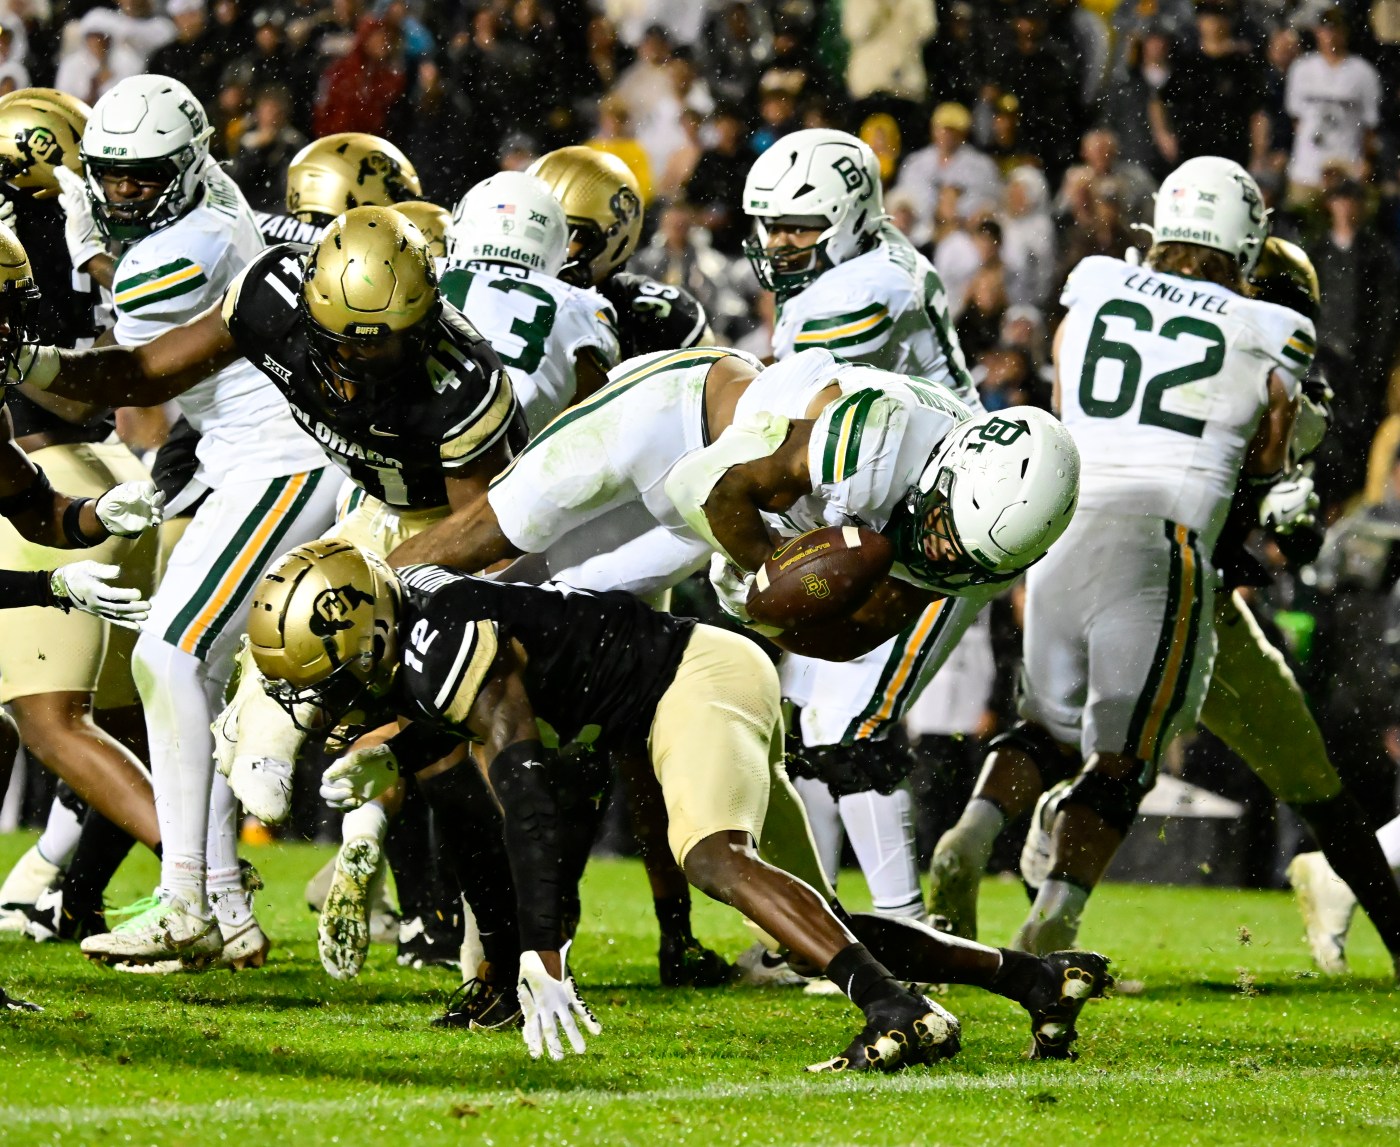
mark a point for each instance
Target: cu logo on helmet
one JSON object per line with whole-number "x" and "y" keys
{"x": 330, "y": 612}
{"x": 42, "y": 145}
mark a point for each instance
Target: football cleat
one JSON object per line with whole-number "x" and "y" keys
{"x": 910, "y": 1029}
{"x": 480, "y": 1006}
{"x": 953, "y": 885}
{"x": 761, "y": 968}
{"x": 39, "y": 921}
{"x": 343, "y": 931}
{"x": 245, "y": 943}
{"x": 1326, "y": 905}
{"x": 29, "y": 879}
{"x": 1069, "y": 980}
{"x": 433, "y": 940}
{"x": 384, "y": 920}
{"x": 686, "y": 963}
{"x": 1035, "y": 853}
{"x": 9, "y": 1003}
{"x": 160, "y": 928}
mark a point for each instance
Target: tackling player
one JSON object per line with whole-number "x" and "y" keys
{"x": 500, "y": 663}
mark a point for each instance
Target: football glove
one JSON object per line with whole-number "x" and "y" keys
{"x": 548, "y": 1004}
{"x": 731, "y": 586}
{"x": 130, "y": 508}
{"x": 359, "y": 777}
{"x": 1289, "y": 503}
{"x": 7, "y": 212}
{"x": 79, "y": 230}
{"x": 87, "y": 586}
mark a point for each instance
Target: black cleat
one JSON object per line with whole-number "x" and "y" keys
{"x": 481, "y": 1007}
{"x": 1069, "y": 980}
{"x": 432, "y": 940}
{"x": 687, "y": 963}
{"x": 911, "y": 1029}
{"x": 8, "y": 1003}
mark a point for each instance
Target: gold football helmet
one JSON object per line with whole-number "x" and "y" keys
{"x": 40, "y": 129}
{"x": 603, "y": 202}
{"x": 430, "y": 219}
{"x": 350, "y": 169}
{"x": 18, "y": 294}
{"x": 370, "y": 303}
{"x": 324, "y": 630}
{"x": 1285, "y": 275}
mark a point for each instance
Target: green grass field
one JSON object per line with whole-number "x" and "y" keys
{"x": 1230, "y": 1040}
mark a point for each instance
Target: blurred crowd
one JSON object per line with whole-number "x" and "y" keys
{"x": 1015, "y": 137}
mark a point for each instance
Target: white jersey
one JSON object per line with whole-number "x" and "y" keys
{"x": 174, "y": 274}
{"x": 1163, "y": 381}
{"x": 868, "y": 447}
{"x": 886, "y": 309}
{"x": 537, "y": 324}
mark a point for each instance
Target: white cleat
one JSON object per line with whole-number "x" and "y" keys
{"x": 343, "y": 932}
{"x": 244, "y": 947}
{"x": 160, "y": 929}
{"x": 953, "y": 886}
{"x": 384, "y": 921}
{"x": 29, "y": 880}
{"x": 1326, "y": 905}
{"x": 761, "y": 968}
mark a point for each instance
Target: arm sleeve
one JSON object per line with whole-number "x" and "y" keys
{"x": 19, "y": 589}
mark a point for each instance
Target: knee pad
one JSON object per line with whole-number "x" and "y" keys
{"x": 878, "y": 765}
{"x": 1115, "y": 801}
{"x": 1049, "y": 755}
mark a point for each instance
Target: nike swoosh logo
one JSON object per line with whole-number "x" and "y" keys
{"x": 381, "y": 433}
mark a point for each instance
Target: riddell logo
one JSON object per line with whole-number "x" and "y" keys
{"x": 509, "y": 254}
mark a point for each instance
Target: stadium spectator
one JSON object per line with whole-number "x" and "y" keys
{"x": 192, "y": 57}
{"x": 1281, "y": 53}
{"x": 736, "y": 46}
{"x": 954, "y": 60}
{"x": 1099, "y": 152}
{"x": 680, "y": 255}
{"x": 1127, "y": 107}
{"x": 778, "y": 90}
{"x": 949, "y": 161}
{"x": 265, "y": 150}
{"x": 1213, "y": 102}
{"x": 1092, "y": 225}
{"x": 270, "y": 62}
{"x": 360, "y": 91}
{"x": 1046, "y": 86}
{"x": 615, "y": 136}
{"x": 985, "y": 303}
{"x": 885, "y": 71}
{"x": 332, "y": 32}
{"x": 113, "y": 45}
{"x": 1334, "y": 98}
{"x": 716, "y": 186}
{"x": 1028, "y": 237}
{"x": 428, "y": 127}
{"x": 604, "y": 58}
{"x": 1134, "y": 23}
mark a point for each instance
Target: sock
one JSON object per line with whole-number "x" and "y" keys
{"x": 673, "y": 916}
{"x": 824, "y": 815}
{"x": 229, "y": 900}
{"x": 1389, "y": 837}
{"x": 881, "y": 831}
{"x": 102, "y": 846}
{"x": 914, "y": 952}
{"x": 173, "y": 685}
{"x": 1053, "y": 922}
{"x": 1340, "y": 829}
{"x": 975, "y": 834}
{"x": 409, "y": 849}
{"x": 863, "y": 978}
{"x": 59, "y": 839}
{"x": 1018, "y": 975}
{"x": 367, "y": 820}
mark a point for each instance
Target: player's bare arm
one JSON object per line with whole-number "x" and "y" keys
{"x": 1268, "y": 451}
{"x": 145, "y": 375}
{"x": 469, "y": 538}
{"x": 590, "y": 374}
{"x": 36, "y": 509}
{"x": 736, "y": 504}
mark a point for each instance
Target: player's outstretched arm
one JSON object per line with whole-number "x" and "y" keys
{"x": 734, "y": 508}
{"x": 470, "y": 537}
{"x": 145, "y": 375}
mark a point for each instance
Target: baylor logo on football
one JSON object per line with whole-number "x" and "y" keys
{"x": 816, "y": 586}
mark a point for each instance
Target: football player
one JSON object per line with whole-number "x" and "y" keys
{"x": 509, "y": 665}
{"x": 846, "y": 280}
{"x": 1174, "y": 383}
{"x": 158, "y": 224}
{"x": 508, "y": 242}
{"x": 434, "y": 222}
{"x": 57, "y": 672}
{"x": 333, "y": 174}
{"x": 603, "y": 203}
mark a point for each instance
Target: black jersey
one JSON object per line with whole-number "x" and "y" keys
{"x": 595, "y": 663}
{"x": 440, "y": 420}
{"x": 652, "y": 316}
{"x": 64, "y": 316}
{"x": 288, "y": 229}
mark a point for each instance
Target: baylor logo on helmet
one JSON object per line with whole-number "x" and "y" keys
{"x": 1002, "y": 431}
{"x": 851, "y": 173}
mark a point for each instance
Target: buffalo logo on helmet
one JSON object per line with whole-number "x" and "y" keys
{"x": 330, "y": 612}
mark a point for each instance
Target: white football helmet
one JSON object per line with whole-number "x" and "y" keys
{"x": 511, "y": 218}
{"x": 821, "y": 178}
{"x": 1213, "y": 202}
{"x": 152, "y": 129}
{"x": 997, "y": 492}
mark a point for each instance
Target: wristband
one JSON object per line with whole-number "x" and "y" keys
{"x": 73, "y": 531}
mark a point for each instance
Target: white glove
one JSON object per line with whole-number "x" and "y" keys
{"x": 731, "y": 586}
{"x": 79, "y": 229}
{"x": 549, "y": 1004}
{"x": 1289, "y": 503}
{"x": 130, "y": 508}
{"x": 7, "y": 212}
{"x": 359, "y": 777}
{"x": 87, "y": 585}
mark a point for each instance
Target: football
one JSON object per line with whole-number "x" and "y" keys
{"x": 823, "y": 575}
